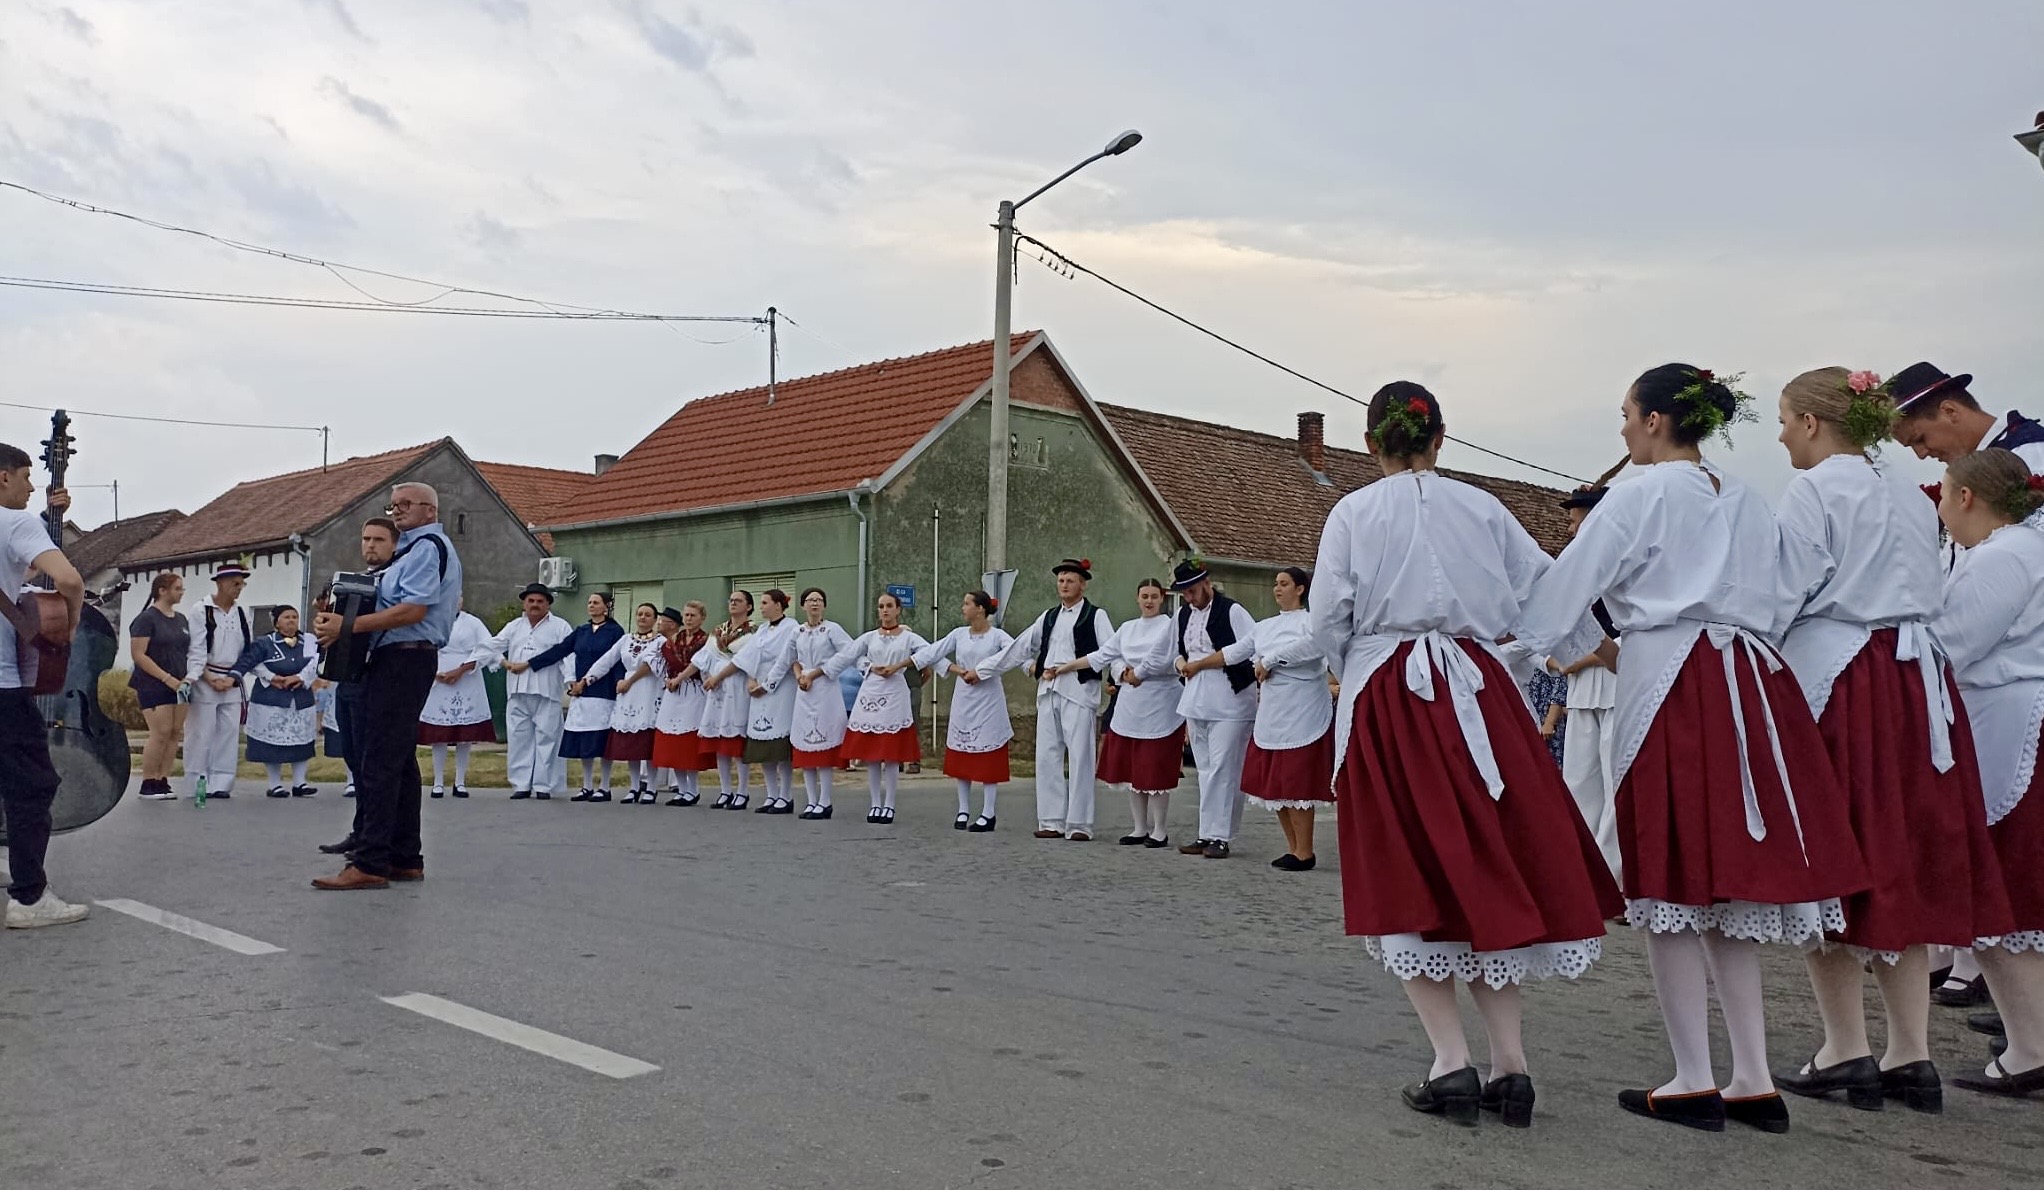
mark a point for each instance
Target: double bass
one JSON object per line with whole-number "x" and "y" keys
{"x": 88, "y": 750}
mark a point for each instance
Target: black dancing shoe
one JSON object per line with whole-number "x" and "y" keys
{"x": 1454, "y": 1095}
{"x": 278, "y": 791}
{"x": 542, "y": 795}
{"x": 313, "y": 791}
{"x": 1859, "y": 1078}
{"x": 2001, "y": 1082}
{"x": 1917, "y": 1086}
{"x": 687, "y": 799}
{"x": 1292, "y": 863}
{"x": 887, "y": 816}
{"x": 1937, "y": 977}
{"x": 824, "y": 812}
{"x": 723, "y": 802}
{"x": 739, "y": 802}
{"x": 873, "y": 815}
{"x": 981, "y": 825}
{"x": 808, "y": 814}
{"x": 438, "y": 792}
{"x": 1768, "y": 1112}
{"x": 1132, "y": 840}
{"x": 1986, "y": 1022}
{"x": 1511, "y": 1096}
{"x": 768, "y": 808}
{"x": 460, "y": 792}
{"x": 587, "y": 795}
{"x": 679, "y": 800}
{"x": 786, "y": 807}
{"x": 601, "y": 795}
{"x": 1962, "y": 993}
{"x": 1153, "y": 843}
{"x": 1703, "y": 1110}
{"x": 1217, "y": 849}
{"x": 961, "y": 822}
{"x": 520, "y": 795}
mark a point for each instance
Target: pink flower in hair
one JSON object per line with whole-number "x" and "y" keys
{"x": 1863, "y": 382}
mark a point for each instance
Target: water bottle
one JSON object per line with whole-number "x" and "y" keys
{"x": 199, "y": 793}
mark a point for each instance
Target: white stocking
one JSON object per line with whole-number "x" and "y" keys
{"x": 1160, "y": 809}
{"x": 1138, "y": 812}
{"x": 964, "y": 795}
{"x": 439, "y": 765}
{"x": 605, "y": 770}
{"x": 1682, "y": 985}
{"x": 724, "y": 775}
{"x": 876, "y": 771}
{"x": 744, "y": 772}
{"x": 300, "y": 773}
{"x": 276, "y": 772}
{"x": 783, "y": 772}
{"x": 1735, "y": 968}
{"x": 460, "y": 766}
{"x": 890, "y": 779}
{"x": 986, "y": 805}
{"x": 823, "y": 779}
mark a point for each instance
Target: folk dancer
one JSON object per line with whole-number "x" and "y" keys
{"x": 1463, "y": 858}
{"x": 976, "y": 742}
{"x": 586, "y": 731}
{"x": 1733, "y": 830}
{"x": 881, "y": 729}
{"x": 458, "y": 711}
{"x": 767, "y": 659}
{"x": 818, "y": 730}
{"x": 731, "y": 702}
{"x": 641, "y": 670}
{"x": 1889, "y": 710}
{"x": 283, "y": 718}
{"x": 677, "y": 748}
{"x": 1216, "y": 657}
{"x": 1289, "y": 766}
{"x": 1143, "y": 744}
{"x": 220, "y": 634}
{"x": 1588, "y": 740}
{"x": 1067, "y": 702}
{"x": 532, "y": 695}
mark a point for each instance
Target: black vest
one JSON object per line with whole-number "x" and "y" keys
{"x": 1221, "y": 633}
{"x": 2021, "y": 431}
{"x": 1084, "y": 639}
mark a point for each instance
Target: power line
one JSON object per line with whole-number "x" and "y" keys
{"x": 174, "y": 421}
{"x": 1067, "y": 265}
{"x": 108, "y": 288}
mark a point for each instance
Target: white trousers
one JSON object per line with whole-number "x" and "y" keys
{"x": 1218, "y": 749}
{"x": 1586, "y": 764}
{"x": 1065, "y": 732}
{"x": 213, "y": 744}
{"x": 532, "y": 727}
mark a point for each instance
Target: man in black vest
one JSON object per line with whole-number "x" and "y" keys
{"x": 1941, "y": 420}
{"x": 1067, "y": 704}
{"x": 1215, "y": 652}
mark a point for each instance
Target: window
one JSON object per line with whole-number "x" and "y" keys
{"x": 756, "y": 583}
{"x": 460, "y": 524}
{"x": 1028, "y": 453}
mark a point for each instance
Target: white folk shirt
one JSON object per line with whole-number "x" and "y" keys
{"x": 1061, "y": 649}
{"x": 1208, "y": 695}
{"x": 1880, "y": 542}
{"x": 1295, "y": 707}
{"x": 522, "y": 640}
{"x": 230, "y": 636}
{"x": 1147, "y": 648}
{"x": 681, "y": 709}
{"x": 1422, "y": 558}
{"x": 722, "y": 719}
{"x": 819, "y": 723}
{"x": 1592, "y": 688}
{"x": 979, "y": 711}
{"x": 884, "y": 705}
{"x": 635, "y": 709}
{"x": 768, "y": 657}
{"x": 24, "y": 537}
{"x": 465, "y": 700}
{"x": 1992, "y": 625}
{"x": 1676, "y": 558}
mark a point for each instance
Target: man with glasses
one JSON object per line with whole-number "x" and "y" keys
{"x": 417, "y": 596}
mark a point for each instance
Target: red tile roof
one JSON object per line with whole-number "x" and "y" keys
{"x": 104, "y": 547}
{"x": 821, "y": 434}
{"x": 1250, "y": 496}
{"x": 536, "y": 494}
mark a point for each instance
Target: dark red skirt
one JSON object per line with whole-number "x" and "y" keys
{"x": 1146, "y": 766}
{"x": 902, "y": 747}
{"x": 462, "y": 733}
{"x": 1303, "y": 774}
{"x": 1682, "y": 815}
{"x": 629, "y": 745}
{"x": 2019, "y": 840}
{"x": 980, "y": 768}
{"x": 1426, "y": 850}
{"x": 826, "y": 759}
{"x": 1936, "y": 878}
{"x": 723, "y": 745}
{"x": 683, "y": 753}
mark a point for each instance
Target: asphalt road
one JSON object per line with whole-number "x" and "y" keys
{"x": 829, "y": 1004}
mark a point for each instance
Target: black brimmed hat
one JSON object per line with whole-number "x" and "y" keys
{"x": 1189, "y": 573}
{"x": 671, "y": 613}
{"x": 1083, "y": 567}
{"x": 1923, "y": 381}
{"x": 1584, "y": 497}
{"x": 536, "y": 589}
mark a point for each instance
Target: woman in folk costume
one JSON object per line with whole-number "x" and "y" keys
{"x": 1888, "y": 708}
{"x": 976, "y": 744}
{"x": 729, "y": 699}
{"x": 1732, "y": 828}
{"x": 882, "y": 729}
{"x": 587, "y": 729}
{"x": 1587, "y": 730}
{"x": 1290, "y": 765}
{"x": 1992, "y": 627}
{"x": 1143, "y": 746}
{"x": 457, "y": 709}
{"x": 767, "y": 659}
{"x": 1463, "y": 858}
{"x": 677, "y": 748}
{"x": 819, "y": 726}
{"x": 283, "y": 715}
{"x": 636, "y": 659}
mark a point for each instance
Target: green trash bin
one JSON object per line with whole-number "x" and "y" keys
{"x": 493, "y": 682}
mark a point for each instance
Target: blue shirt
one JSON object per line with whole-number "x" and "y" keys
{"x": 414, "y": 576}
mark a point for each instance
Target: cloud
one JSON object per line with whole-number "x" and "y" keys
{"x": 506, "y": 11}
{"x": 299, "y": 207}
{"x": 692, "y": 48}
{"x": 367, "y": 108}
{"x": 492, "y": 235}
{"x": 77, "y": 26}
{"x": 341, "y": 15}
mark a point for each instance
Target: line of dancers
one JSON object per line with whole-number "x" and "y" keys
{"x": 1823, "y": 733}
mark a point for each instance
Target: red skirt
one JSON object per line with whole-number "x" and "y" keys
{"x": 980, "y": 768}
{"x": 2019, "y": 840}
{"x": 1682, "y": 815}
{"x": 463, "y": 733}
{"x": 826, "y": 759}
{"x": 629, "y": 745}
{"x": 1426, "y": 850}
{"x": 1302, "y": 774}
{"x": 723, "y": 745}
{"x": 902, "y": 747}
{"x": 1146, "y": 766}
{"x": 1936, "y": 878}
{"x": 683, "y": 753}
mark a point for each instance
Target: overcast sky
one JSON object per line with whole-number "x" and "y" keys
{"x": 1522, "y": 206}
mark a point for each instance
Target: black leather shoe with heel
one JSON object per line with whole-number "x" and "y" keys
{"x": 1511, "y": 1096}
{"x": 1859, "y": 1078}
{"x": 1454, "y": 1095}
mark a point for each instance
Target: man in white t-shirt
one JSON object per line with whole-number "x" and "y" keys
{"x": 28, "y": 783}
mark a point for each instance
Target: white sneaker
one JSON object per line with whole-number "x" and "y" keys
{"x": 51, "y": 910}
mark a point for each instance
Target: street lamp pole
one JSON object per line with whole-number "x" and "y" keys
{"x": 997, "y": 422}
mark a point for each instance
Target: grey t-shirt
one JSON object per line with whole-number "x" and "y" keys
{"x": 170, "y": 642}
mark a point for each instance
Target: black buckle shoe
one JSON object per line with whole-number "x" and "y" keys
{"x": 1917, "y": 1086}
{"x": 1454, "y": 1096}
{"x": 2014, "y": 1086}
{"x": 460, "y": 792}
{"x": 961, "y": 822}
{"x": 1511, "y": 1096}
{"x": 981, "y": 825}
{"x": 1859, "y": 1078}
{"x": 1769, "y": 1112}
{"x": 1702, "y": 1110}
{"x": 1964, "y": 993}
{"x": 521, "y": 795}
{"x": 313, "y": 791}
{"x": 586, "y": 795}
{"x": 1163, "y": 842}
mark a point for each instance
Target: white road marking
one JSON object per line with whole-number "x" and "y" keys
{"x": 539, "y": 1041}
{"x": 228, "y": 939}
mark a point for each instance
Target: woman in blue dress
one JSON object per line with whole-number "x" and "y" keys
{"x": 282, "y": 719}
{"x": 587, "y": 730}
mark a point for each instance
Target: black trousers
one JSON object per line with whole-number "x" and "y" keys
{"x": 28, "y": 785}
{"x": 387, "y": 785}
{"x": 348, "y": 722}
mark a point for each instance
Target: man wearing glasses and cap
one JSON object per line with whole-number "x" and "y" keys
{"x": 532, "y": 697}
{"x": 220, "y": 632}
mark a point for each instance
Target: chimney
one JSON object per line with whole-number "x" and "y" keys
{"x": 605, "y": 463}
{"x": 1313, "y": 442}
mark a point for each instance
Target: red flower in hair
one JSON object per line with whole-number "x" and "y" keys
{"x": 1086, "y": 563}
{"x": 2036, "y": 483}
{"x": 1936, "y": 492}
{"x": 1706, "y": 375}
{"x": 1416, "y": 406}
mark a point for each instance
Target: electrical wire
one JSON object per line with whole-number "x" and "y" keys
{"x": 174, "y": 421}
{"x": 1067, "y": 265}
{"x": 381, "y": 307}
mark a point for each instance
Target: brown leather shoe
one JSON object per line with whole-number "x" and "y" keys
{"x": 406, "y": 875}
{"x": 1050, "y": 834}
{"x": 350, "y": 879}
{"x": 1080, "y": 837}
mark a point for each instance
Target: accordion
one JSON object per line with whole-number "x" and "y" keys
{"x": 351, "y": 595}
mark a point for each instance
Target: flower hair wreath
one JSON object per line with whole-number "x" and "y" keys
{"x": 1413, "y": 416}
{"x": 1703, "y": 417}
{"x": 1869, "y": 411}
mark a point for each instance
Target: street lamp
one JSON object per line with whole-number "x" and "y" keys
{"x": 997, "y": 443}
{"x": 2033, "y": 140}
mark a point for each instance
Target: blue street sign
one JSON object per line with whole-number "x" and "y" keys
{"x": 904, "y": 592}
